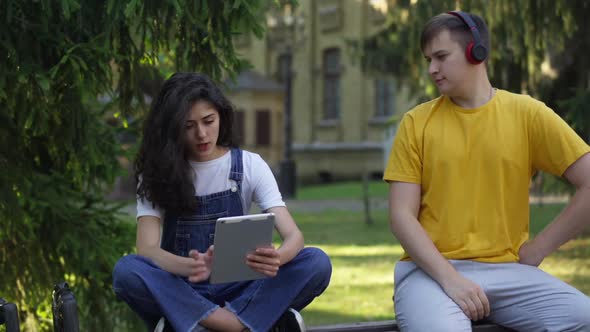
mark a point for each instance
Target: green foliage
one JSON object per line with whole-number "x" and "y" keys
{"x": 521, "y": 33}
{"x": 577, "y": 113}
{"x": 59, "y": 138}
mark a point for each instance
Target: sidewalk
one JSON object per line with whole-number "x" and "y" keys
{"x": 549, "y": 199}
{"x": 381, "y": 203}
{"x": 377, "y": 203}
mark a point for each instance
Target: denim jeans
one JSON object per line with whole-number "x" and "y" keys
{"x": 153, "y": 292}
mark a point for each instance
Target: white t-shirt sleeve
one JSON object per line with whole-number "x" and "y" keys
{"x": 265, "y": 191}
{"x": 146, "y": 208}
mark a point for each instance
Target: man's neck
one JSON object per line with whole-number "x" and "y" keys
{"x": 476, "y": 96}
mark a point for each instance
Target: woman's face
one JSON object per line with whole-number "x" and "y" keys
{"x": 201, "y": 132}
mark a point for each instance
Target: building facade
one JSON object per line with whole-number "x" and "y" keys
{"x": 258, "y": 120}
{"x": 341, "y": 116}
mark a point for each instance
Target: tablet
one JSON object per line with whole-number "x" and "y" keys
{"x": 235, "y": 237}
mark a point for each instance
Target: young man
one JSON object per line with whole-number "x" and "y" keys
{"x": 459, "y": 173}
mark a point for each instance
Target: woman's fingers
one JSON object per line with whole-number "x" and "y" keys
{"x": 268, "y": 270}
{"x": 275, "y": 261}
{"x": 198, "y": 266}
{"x": 265, "y": 261}
{"x": 194, "y": 254}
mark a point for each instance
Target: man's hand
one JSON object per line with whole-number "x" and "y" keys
{"x": 530, "y": 255}
{"x": 469, "y": 296}
{"x": 200, "y": 267}
{"x": 265, "y": 260}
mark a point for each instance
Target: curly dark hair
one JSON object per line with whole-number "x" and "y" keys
{"x": 162, "y": 169}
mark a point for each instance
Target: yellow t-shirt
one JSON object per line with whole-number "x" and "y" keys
{"x": 475, "y": 166}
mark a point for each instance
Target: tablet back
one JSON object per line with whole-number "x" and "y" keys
{"x": 235, "y": 237}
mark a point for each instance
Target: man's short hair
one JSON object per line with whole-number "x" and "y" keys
{"x": 459, "y": 31}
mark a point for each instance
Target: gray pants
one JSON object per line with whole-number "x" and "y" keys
{"x": 521, "y": 297}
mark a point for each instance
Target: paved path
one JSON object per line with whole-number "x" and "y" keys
{"x": 377, "y": 203}
{"x": 310, "y": 206}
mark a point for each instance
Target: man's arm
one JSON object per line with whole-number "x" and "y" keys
{"x": 570, "y": 222}
{"x": 404, "y": 206}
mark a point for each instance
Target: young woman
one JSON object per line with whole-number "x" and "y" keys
{"x": 191, "y": 173}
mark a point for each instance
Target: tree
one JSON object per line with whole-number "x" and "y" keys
{"x": 70, "y": 76}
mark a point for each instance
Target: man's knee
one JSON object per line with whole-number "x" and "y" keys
{"x": 426, "y": 308}
{"x": 583, "y": 324}
{"x": 580, "y": 316}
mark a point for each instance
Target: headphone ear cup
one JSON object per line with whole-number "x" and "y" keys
{"x": 475, "y": 54}
{"x": 479, "y": 52}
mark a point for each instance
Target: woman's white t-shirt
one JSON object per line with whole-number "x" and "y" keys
{"x": 258, "y": 183}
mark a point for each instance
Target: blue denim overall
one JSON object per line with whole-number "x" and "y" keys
{"x": 153, "y": 292}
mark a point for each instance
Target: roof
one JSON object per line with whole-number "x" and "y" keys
{"x": 250, "y": 80}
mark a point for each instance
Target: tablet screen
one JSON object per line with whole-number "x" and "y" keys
{"x": 235, "y": 237}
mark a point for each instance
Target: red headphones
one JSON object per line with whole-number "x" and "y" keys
{"x": 476, "y": 52}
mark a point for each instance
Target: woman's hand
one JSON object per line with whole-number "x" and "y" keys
{"x": 200, "y": 266}
{"x": 265, "y": 260}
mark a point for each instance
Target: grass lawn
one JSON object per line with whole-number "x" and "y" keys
{"x": 363, "y": 258}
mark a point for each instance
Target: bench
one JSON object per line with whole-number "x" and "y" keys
{"x": 391, "y": 326}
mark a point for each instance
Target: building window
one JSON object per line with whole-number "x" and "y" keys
{"x": 262, "y": 127}
{"x": 239, "y": 126}
{"x": 384, "y": 97}
{"x": 331, "y": 15}
{"x": 331, "y": 84}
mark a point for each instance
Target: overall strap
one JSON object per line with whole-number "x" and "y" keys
{"x": 236, "y": 172}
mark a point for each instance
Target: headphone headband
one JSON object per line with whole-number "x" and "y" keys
{"x": 476, "y": 51}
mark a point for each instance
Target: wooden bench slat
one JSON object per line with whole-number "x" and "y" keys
{"x": 377, "y": 326}
{"x": 390, "y": 326}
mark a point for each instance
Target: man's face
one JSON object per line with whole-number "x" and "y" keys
{"x": 448, "y": 66}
